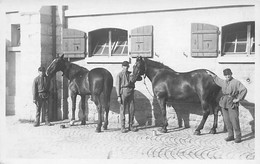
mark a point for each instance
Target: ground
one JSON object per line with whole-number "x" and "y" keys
{"x": 23, "y": 141}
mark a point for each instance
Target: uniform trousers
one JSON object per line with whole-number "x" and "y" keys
{"x": 127, "y": 104}
{"x": 42, "y": 105}
{"x": 231, "y": 119}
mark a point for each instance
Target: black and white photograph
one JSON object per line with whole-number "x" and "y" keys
{"x": 107, "y": 81}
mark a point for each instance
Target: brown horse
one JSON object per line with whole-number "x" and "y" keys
{"x": 195, "y": 86}
{"x": 84, "y": 82}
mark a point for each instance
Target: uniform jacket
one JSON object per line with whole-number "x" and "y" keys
{"x": 231, "y": 90}
{"x": 39, "y": 86}
{"x": 123, "y": 81}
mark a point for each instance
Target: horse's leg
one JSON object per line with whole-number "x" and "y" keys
{"x": 186, "y": 120}
{"x": 215, "y": 123}
{"x": 96, "y": 99}
{"x": 224, "y": 127}
{"x": 205, "y": 108}
{"x": 131, "y": 111}
{"x": 73, "y": 100}
{"x": 83, "y": 121}
{"x": 106, "y": 106}
{"x": 162, "y": 103}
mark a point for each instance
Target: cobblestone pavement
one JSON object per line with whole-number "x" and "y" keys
{"x": 25, "y": 141}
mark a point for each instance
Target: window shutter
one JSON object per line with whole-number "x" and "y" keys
{"x": 142, "y": 41}
{"x": 204, "y": 40}
{"x": 74, "y": 43}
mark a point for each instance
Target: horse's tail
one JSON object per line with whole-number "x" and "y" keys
{"x": 108, "y": 86}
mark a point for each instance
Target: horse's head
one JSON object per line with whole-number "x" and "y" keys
{"x": 56, "y": 65}
{"x": 138, "y": 69}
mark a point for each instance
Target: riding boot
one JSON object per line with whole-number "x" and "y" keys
{"x": 36, "y": 123}
{"x": 238, "y": 139}
{"x": 37, "y": 119}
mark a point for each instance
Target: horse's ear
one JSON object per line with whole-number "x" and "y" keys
{"x": 139, "y": 58}
{"x": 62, "y": 56}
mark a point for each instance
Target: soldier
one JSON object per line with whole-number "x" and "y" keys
{"x": 40, "y": 96}
{"x": 125, "y": 93}
{"x": 233, "y": 92}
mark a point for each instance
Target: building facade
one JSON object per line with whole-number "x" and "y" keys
{"x": 184, "y": 36}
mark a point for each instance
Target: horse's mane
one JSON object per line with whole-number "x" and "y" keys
{"x": 78, "y": 68}
{"x": 74, "y": 70}
{"x": 158, "y": 65}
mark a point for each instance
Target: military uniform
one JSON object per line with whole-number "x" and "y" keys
{"x": 231, "y": 89}
{"x": 40, "y": 96}
{"x": 125, "y": 90}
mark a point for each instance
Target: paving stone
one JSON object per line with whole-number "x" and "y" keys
{"x": 81, "y": 141}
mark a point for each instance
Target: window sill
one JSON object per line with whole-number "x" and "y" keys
{"x": 237, "y": 59}
{"x": 106, "y": 59}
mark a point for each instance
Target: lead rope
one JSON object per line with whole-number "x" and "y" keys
{"x": 147, "y": 87}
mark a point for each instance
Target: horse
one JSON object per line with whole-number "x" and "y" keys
{"x": 167, "y": 84}
{"x": 84, "y": 82}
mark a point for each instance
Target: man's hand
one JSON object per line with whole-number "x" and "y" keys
{"x": 35, "y": 102}
{"x": 119, "y": 100}
{"x": 211, "y": 74}
{"x": 235, "y": 100}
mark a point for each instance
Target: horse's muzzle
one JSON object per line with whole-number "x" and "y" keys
{"x": 139, "y": 78}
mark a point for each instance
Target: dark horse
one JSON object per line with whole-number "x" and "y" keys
{"x": 84, "y": 82}
{"x": 194, "y": 86}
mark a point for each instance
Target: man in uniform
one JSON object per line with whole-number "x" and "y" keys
{"x": 233, "y": 92}
{"x": 40, "y": 96}
{"x": 125, "y": 93}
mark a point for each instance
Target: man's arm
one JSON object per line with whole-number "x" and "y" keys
{"x": 242, "y": 91}
{"x": 34, "y": 90}
{"x": 220, "y": 82}
{"x": 118, "y": 84}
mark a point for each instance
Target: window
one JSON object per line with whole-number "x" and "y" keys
{"x": 108, "y": 42}
{"x": 238, "y": 39}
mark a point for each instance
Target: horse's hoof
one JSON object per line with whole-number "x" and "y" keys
{"x": 187, "y": 126}
{"x": 197, "y": 133}
{"x": 83, "y": 122}
{"x": 133, "y": 129}
{"x": 162, "y": 130}
{"x": 98, "y": 130}
{"x": 105, "y": 127}
{"x": 72, "y": 122}
{"x": 212, "y": 131}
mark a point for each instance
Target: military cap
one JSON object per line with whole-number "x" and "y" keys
{"x": 41, "y": 68}
{"x": 227, "y": 71}
{"x": 125, "y": 63}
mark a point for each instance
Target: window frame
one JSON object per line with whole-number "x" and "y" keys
{"x": 250, "y": 39}
{"x": 110, "y": 42}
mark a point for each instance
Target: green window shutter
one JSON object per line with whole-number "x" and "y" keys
{"x": 74, "y": 43}
{"x": 204, "y": 40}
{"x": 142, "y": 41}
